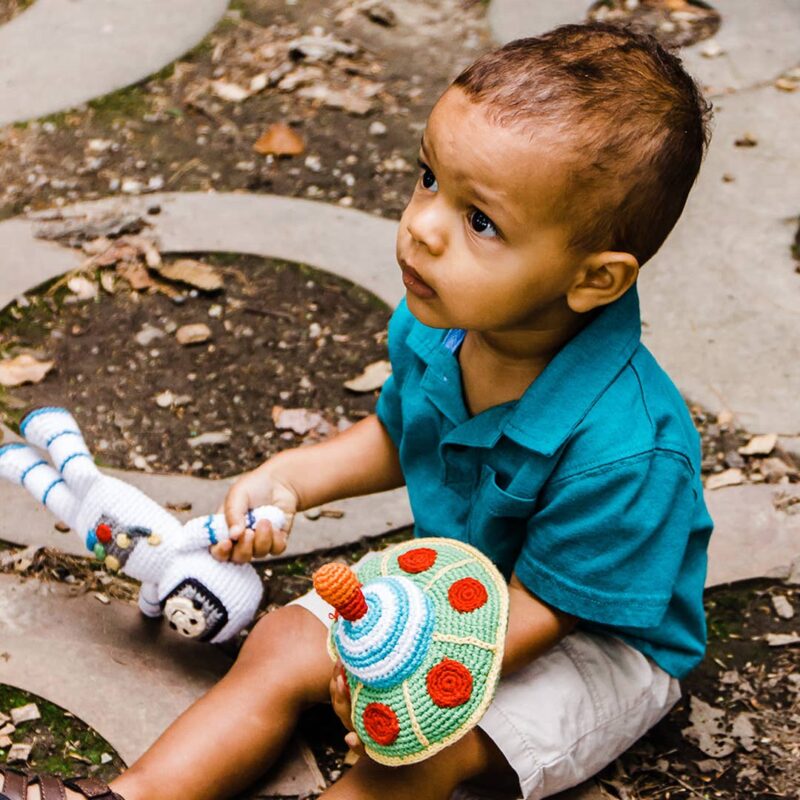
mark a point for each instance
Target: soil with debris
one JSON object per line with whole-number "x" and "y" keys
{"x": 675, "y": 23}
{"x": 58, "y": 741}
{"x": 282, "y": 341}
{"x": 354, "y": 80}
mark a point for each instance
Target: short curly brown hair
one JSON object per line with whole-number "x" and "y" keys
{"x": 634, "y": 120}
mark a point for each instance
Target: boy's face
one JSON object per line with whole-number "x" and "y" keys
{"x": 479, "y": 243}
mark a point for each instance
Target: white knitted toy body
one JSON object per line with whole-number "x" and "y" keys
{"x": 200, "y": 597}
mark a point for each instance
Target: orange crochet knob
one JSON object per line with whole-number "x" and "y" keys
{"x": 338, "y": 585}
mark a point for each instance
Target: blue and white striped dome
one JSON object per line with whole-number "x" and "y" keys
{"x": 390, "y": 641}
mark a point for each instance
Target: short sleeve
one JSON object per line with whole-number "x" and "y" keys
{"x": 388, "y": 410}
{"x": 607, "y": 545}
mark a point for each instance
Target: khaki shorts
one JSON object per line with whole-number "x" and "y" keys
{"x": 571, "y": 712}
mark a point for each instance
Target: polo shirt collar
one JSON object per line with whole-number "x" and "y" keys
{"x": 555, "y": 403}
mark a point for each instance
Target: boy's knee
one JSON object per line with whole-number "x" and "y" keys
{"x": 289, "y": 643}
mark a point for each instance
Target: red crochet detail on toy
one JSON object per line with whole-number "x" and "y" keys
{"x": 467, "y": 594}
{"x": 381, "y": 723}
{"x": 417, "y": 560}
{"x": 103, "y": 533}
{"x": 449, "y": 683}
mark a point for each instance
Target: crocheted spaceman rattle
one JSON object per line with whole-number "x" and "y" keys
{"x": 420, "y": 630}
{"x": 200, "y": 597}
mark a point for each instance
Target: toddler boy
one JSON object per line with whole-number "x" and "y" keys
{"x": 525, "y": 417}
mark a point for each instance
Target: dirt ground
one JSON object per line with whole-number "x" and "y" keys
{"x": 176, "y": 131}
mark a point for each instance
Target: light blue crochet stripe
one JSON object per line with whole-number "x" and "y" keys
{"x": 61, "y": 433}
{"x": 251, "y": 519}
{"x": 28, "y": 469}
{"x": 210, "y": 529}
{"x": 51, "y": 486}
{"x": 39, "y": 411}
{"x": 11, "y": 446}
{"x": 69, "y": 458}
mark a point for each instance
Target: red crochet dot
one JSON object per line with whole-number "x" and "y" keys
{"x": 103, "y": 534}
{"x": 381, "y": 723}
{"x": 467, "y": 594}
{"x": 449, "y": 683}
{"x": 417, "y": 560}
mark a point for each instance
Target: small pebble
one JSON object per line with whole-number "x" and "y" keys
{"x": 783, "y": 608}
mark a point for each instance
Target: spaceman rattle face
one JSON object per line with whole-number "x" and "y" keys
{"x": 185, "y": 617}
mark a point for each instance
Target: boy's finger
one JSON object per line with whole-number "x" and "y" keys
{"x": 280, "y": 540}
{"x": 222, "y": 550}
{"x": 263, "y": 538}
{"x": 243, "y": 549}
{"x": 235, "y": 508}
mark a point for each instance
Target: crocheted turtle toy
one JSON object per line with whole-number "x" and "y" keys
{"x": 420, "y": 630}
{"x": 200, "y": 597}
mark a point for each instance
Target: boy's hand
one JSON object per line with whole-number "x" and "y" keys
{"x": 253, "y": 489}
{"x": 340, "y": 699}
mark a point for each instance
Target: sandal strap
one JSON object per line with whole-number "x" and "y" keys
{"x": 93, "y": 788}
{"x": 15, "y": 786}
{"x": 51, "y": 787}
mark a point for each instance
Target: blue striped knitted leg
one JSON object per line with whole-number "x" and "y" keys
{"x": 23, "y": 465}
{"x": 55, "y": 430}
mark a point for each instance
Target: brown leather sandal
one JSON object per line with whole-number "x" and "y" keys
{"x": 52, "y": 787}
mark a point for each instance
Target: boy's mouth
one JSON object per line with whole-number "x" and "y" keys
{"x": 414, "y": 283}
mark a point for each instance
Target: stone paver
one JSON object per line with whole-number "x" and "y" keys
{"x": 60, "y": 53}
{"x": 752, "y": 538}
{"x": 721, "y": 299}
{"x": 124, "y": 676}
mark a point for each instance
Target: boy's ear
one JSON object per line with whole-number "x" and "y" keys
{"x": 602, "y": 279}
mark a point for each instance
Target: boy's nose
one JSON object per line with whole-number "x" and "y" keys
{"x": 427, "y": 228}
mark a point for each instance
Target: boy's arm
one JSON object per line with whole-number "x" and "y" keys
{"x": 361, "y": 460}
{"x": 533, "y": 627}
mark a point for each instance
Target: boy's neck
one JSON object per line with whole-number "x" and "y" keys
{"x": 525, "y": 348}
{"x": 498, "y": 367}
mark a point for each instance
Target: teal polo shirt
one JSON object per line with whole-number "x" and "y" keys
{"x": 587, "y": 487}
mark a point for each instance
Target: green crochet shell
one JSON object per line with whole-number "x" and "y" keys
{"x": 470, "y": 639}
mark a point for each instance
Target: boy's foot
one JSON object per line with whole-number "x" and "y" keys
{"x": 27, "y": 786}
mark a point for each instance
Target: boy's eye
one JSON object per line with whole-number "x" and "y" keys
{"x": 481, "y": 224}
{"x": 428, "y": 178}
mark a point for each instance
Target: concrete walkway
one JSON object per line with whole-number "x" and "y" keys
{"x": 721, "y": 299}
{"x": 124, "y": 676}
{"x": 60, "y": 53}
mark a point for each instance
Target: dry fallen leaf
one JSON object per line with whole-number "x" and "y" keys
{"x": 299, "y": 420}
{"x": 706, "y": 730}
{"x": 136, "y": 275}
{"x": 373, "y": 377}
{"x": 195, "y": 273}
{"x": 730, "y": 477}
{"x": 195, "y": 333}
{"x": 230, "y": 92}
{"x": 26, "y": 713}
{"x": 782, "y": 639}
{"x": 761, "y": 445}
{"x": 23, "y": 369}
{"x": 82, "y": 287}
{"x": 280, "y": 140}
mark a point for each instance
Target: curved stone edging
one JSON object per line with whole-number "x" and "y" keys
{"x": 349, "y": 243}
{"x": 60, "y": 53}
{"x": 118, "y": 672}
{"x": 758, "y": 41}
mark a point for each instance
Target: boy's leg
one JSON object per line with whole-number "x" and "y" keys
{"x": 473, "y": 758}
{"x": 223, "y": 742}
